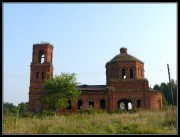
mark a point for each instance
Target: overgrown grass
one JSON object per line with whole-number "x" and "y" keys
{"x": 95, "y": 122}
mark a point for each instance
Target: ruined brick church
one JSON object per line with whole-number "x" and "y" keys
{"x": 125, "y": 83}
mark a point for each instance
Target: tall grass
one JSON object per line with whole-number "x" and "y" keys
{"x": 140, "y": 122}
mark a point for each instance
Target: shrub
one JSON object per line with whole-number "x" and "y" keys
{"x": 45, "y": 113}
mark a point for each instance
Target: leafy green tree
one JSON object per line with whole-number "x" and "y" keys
{"x": 164, "y": 101}
{"x": 22, "y": 108}
{"x": 9, "y": 108}
{"x": 157, "y": 87}
{"x": 165, "y": 87}
{"x": 59, "y": 90}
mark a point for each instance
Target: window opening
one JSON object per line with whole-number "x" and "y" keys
{"x": 80, "y": 105}
{"x": 42, "y": 75}
{"x": 131, "y": 73}
{"x": 41, "y": 56}
{"x": 138, "y": 103}
{"x": 102, "y": 104}
{"x": 91, "y": 104}
{"x": 123, "y": 73}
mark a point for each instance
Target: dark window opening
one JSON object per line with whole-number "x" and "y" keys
{"x": 42, "y": 75}
{"x": 41, "y": 56}
{"x": 37, "y": 73}
{"x": 131, "y": 73}
{"x": 69, "y": 107}
{"x": 102, "y": 104}
{"x": 91, "y": 104}
{"x": 80, "y": 105}
{"x": 123, "y": 73}
{"x": 138, "y": 103}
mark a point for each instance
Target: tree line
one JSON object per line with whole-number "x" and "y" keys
{"x": 12, "y": 110}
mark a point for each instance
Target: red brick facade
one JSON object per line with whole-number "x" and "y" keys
{"x": 125, "y": 83}
{"x": 40, "y": 66}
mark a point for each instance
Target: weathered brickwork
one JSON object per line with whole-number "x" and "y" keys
{"x": 125, "y": 83}
{"x": 41, "y": 66}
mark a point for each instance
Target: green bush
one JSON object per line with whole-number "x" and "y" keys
{"x": 88, "y": 111}
{"x": 45, "y": 113}
{"x": 122, "y": 111}
{"x": 134, "y": 110}
{"x": 27, "y": 114}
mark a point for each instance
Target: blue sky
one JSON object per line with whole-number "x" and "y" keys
{"x": 85, "y": 36}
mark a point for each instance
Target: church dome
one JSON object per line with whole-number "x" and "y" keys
{"x": 123, "y": 56}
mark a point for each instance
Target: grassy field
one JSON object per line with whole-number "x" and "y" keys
{"x": 139, "y": 122}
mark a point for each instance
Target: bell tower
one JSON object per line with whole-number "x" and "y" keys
{"x": 40, "y": 69}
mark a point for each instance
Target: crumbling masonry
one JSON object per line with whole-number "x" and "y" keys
{"x": 125, "y": 83}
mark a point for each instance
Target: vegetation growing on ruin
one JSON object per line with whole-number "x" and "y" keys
{"x": 123, "y": 57}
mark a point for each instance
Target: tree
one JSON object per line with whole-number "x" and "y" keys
{"x": 164, "y": 101}
{"x": 9, "y": 108}
{"x": 157, "y": 87}
{"x": 22, "y": 108}
{"x": 174, "y": 90}
{"x": 59, "y": 90}
{"x": 165, "y": 87}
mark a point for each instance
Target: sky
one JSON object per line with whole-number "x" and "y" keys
{"x": 85, "y": 36}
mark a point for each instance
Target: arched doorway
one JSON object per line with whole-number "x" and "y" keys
{"x": 123, "y": 103}
{"x": 102, "y": 104}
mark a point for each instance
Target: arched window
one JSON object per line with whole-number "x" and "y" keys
{"x": 138, "y": 103}
{"x": 91, "y": 104}
{"x": 41, "y": 56}
{"x": 69, "y": 107}
{"x": 129, "y": 105}
{"x": 123, "y": 73}
{"x": 131, "y": 73}
{"x": 42, "y": 75}
{"x": 102, "y": 104}
{"x": 80, "y": 105}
